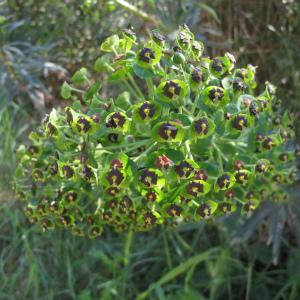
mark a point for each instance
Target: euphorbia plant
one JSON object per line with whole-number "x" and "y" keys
{"x": 168, "y": 136}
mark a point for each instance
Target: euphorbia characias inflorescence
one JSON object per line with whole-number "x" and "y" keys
{"x": 169, "y": 136}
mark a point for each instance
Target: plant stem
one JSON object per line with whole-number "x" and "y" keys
{"x": 188, "y": 150}
{"x": 128, "y": 6}
{"x": 139, "y": 92}
{"x": 194, "y": 106}
{"x": 127, "y": 246}
{"x": 150, "y": 88}
{"x": 132, "y": 91}
{"x": 167, "y": 250}
{"x": 219, "y": 156}
{"x": 137, "y": 144}
{"x": 145, "y": 152}
{"x": 77, "y": 90}
{"x": 185, "y": 110}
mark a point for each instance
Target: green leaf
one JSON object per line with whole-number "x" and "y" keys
{"x": 101, "y": 63}
{"x": 92, "y": 91}
{"x": 65, "y": 90}
{"x": 183, "y": 267}
{"x": 209, "y": 10}
{"x": 110, "y": 43}
{"x": 80, "y": 77}
{"x": 143, "y": 72}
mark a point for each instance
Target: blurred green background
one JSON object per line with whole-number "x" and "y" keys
{"x": 41, "y": 44}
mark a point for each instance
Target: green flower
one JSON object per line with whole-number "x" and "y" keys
{"x": 168, "y": 136}
{"x": 117, "y": 121}
{"x": 151, "y": 178}
{"x": 172, "y": 90}
{"x": 215, "y": 96}
{"x": 203, "y": 128}
{"x": 168, "y": 132}
{"x": 224, "y": 182}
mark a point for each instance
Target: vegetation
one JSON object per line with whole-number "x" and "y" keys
{"x": 195, "y": 143}
{"x": 248, "y": 257}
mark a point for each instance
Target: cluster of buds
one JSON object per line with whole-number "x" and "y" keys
{"x": 176, "y": 137}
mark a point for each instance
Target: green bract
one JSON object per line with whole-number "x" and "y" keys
{"x": 169, "y": 136}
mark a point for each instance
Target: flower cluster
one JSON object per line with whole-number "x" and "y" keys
{"x": 171, "y": 136}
